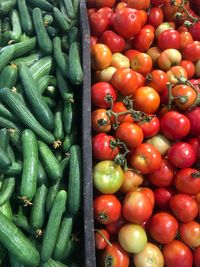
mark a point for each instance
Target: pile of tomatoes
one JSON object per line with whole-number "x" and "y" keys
{"x": 146, "y": 132}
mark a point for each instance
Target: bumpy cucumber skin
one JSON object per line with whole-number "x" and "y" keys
{"x": 25, "y": 17}
{"x": 5, "y": 56}
{"x": 7, "y": 190}
{"x": 75, "y": 68}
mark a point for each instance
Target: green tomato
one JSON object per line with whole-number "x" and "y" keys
{"x": 108, "y": 177}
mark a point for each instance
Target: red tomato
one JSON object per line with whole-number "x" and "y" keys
{"x": 101, "y": 90}
{"x": 194, "y": 117}
{"x": 137, "y": 207}
{"x": 170, "y": 10}
{"x": 90, "y": 11}
{"x": 158, "y": 2}
{"x": 127, "y": 22}
{"x": 155, "y": 16}
{"x": 125, "y": 81}
{"x": 142, "y": 63}
{"x": 169, "y": 39}
{"x": 174, "y": 125}
{"x": 131, "y": 181}
{"x": 197, "y": 257}
{"x": 164, "y": 176}
{"x": 162, "y": 197}
{"x": 131, "y": 53}
{"x": 150, "y": 128}
{"x": 104, "y": 3}
{"x": 100, "y": 241}
{"x": 143, "y": 40}
{"x": 142, "y": 4}
{"x": 177, "y": 254}
{"x": 192, "y": 51}
{"x": 189, "y": 67}
{"x": 186, "y": 182}
{"x": 184, "y": 207}
{"x": 195, "y": 31}
{"x": 148, "y": 192}
{"x": 93, "y": 41}
{"x": 163, "y": 227}
{"x": 146, "y": 158}
{"x": 115, "y": 42}
{"x": 100, "y": 121}
{"x": 107, "y": 209}
{"x": 113, "y": 228}
{"x": 190, "y": 233}
{"x": 186, "y": 39}
{"x": 119, "y": 107}
{"x": 195, "y": 143}
{"x": 157, "y": 79}
{"x": 99, "y": 23}
{"x": 143, "y": 16}
{"x": 116, "y": 255}
{"x": 129, "y": 133}
{"x": 146, "y": 99}
{"x": 102, "y": 148}
{"x": 141, "y": 79}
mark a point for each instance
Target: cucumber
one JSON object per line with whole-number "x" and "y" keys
{"x": 5, "y": 162}
{"x": 37, "y": 215}
{"x": 53, "y": 263}
{"x": 41, "y": 67}
{"x": 76, "y": 4}
{"x": 25, "y": 17}
{"x": 58, "y": 124}
{"x": 43, "y": 4}
{"x": 63, "y": 10}
{"x": 5, "y": 56}
{"x": 6, "y": 210}
{"x": 42, "y": 177}
{"x": 70, "y": 248}
{"x": 6, "y": 190}
{"x": 43, "y": 83}
{"x": 63, "y": 238}
{"x": 49, "y": 162}
{"x": 68, "y": 117}
{"x": 6, "y": 25}
{"x": 43, "y": 39}
{"x": 11, "y": 153}
{"x": 64, "y": 87}
{"x": 14, "y": 170}
{"x": 39, "y": 107}
{"x": 58, "y": 55}
{"x": 60, "y": 20}
{"x": 75, "y": 71}
{"x": 6, "y": 6}
{"x": 75, "y": 180}
{"x": 69, "y": 140}
{"x": 28, "y": 60}
{"x": 14, "y": 262}
{"x": 69, "y": 8}
{"x": 15, "y": 138}
{"x": 58, "y": 154}
{"x": 65, "y": 43}
{"x": 30, "y": 166}
{"x": 17, "y": 243}
{"x": 52, "y": 31}
{"x": 48, "y": 20}
{"x": 64, "y": 163}
{"x": 73, "y": 35}
{"x": 8, "y": 76}
{"x": 52, "y": 192}
{"x": 4, "y": 123}
{"x": 49, "y": 101}
{"x": 4, "y": 139}
{"x": 21, "y": 221}
{"x": 2, "y": 254}
{"x": 25, "y": 115}
{"x": 53, "y": 225}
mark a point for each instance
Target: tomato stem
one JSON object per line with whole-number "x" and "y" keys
{"x": 128, "y": 102}
{"x": 109, "y": 99}
{"x": 196, "y": 174}
{"x": 104, "y": 237}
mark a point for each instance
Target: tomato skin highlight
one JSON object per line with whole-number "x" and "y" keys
{"x": 100, "y": 242}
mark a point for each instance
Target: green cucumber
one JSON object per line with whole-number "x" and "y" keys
{"x": 5, "y": 56}
{"x": 28, "y": 60}
{"x": 6, "y": 190}
{"x": 64, "y": 163}
{"x": 37, "y": 215}
{"x": 69, "y": 8}
{"x": 14, "y": 262}
{"x": 15, "y": 138}
{"x": 30, "y": 165}
{"x": 52, "y": 31}
{"x": 52, "y": 228}
{"x": 69, "y": 140}
{"x": 8, "y": 76}
{"x": 4, "y": 139}
{"x": 49, "y": 162}
{"x": 73, "y": 35}
{"x": 58, "y": 55}
{"x": 75, "y": 71}
{"x": 49, "y": 101}
{"x": 75, "y": 180}
{"x": 11, "y": 153}
{"x": 43, "y": 39}
{"x": 76, "y": 5}
{"x": 68, "y": 117}
{"x": 4, "y": 123}
{"x": 43, "y": 83}
{"x": 60, "y": 20}
{"x": 43, "y": 4}
{"x": 63, "y": 238}
{"x": 48, "y": 20}
{"x": 25, "y": 17}
{"x": 6, "y": 210}
{"x": 58, "y": 154}
{"x": 14, "y": 170}
{"x": 5, "y": 162}
{"x": 17, "y": 243}
{"x": 53, "y": 263}
{"x": 42, "y": 177}
{"x": 41, "y": 67}
{"x": 64, "y": 87}
{"x": 25, "y": 116}
{"x": 6, "y": 25}
{"x": 39, "y": 107}
{"x": 52, "y": 192}
{"x": 58, "y": 124}
{"x": 63, "y": 10}
{"x": 65, "y": 43}
{"x": 6, "y": 6}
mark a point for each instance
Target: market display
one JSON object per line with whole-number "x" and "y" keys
{"x": 146, "y": 132}
{"x": 41, "y": 220}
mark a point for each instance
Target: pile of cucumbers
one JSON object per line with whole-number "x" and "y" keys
{"x": 40, "y": 151}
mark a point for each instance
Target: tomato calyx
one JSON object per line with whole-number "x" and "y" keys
{"x": 195, "y": 174}
{"x": 108, "y": 261}
{"x": 102, "y": 122}
{"x": 104, "y": 237}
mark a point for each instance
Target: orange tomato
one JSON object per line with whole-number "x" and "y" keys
{"x": 176, "y": 73}
{"x": 157, "y": 79}
{"x": 132, "y": 180}
{"x": 142, "y": 63}
{"x": 142, "y": 4}
{"x": 186, "y": 39}
{"x": 100, "y": 121}
{"x": 189, "y": 67}
{"x": 154, "y": 53}
{"x": 101, "y": 57}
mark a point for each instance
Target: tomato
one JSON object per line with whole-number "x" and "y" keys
{"x": 137, "y": 207}
{"x": 101, "y": 57}
{"x": 163, "y": 227}
{"x": 174, "y": 125}
{"x": 192, "y": 51}
{"x": 175, "y": 73}
{"x": 132, "y": 180}
{"x": 132, "y": 238}
{"x": 186, "y": 39}
{"x": 177, "y": 254}
{"x": 194, "y": 117}
{"x": 161, "y": 143}
{"x": 162, "y": 197}
{"x": 197, "y": 68}
{"x": 120, "y": 61}
{"x": 127, "y": 22}
{"x": 99, "y": 23}
{"x": 163, "y": 27}
{"x": 164, "y": 176}
{"x": 190, "y": 233}
{"x": 158, "y": 2}
{"x": 142, "y": 63}
{"x": 105, "y": 75}
{"x": 195, "y": 143}
{"x": 189, "y": 67}
{"x": 115, "y": 42}
{"x": 120, "y": 107}
{"x": 114, "y": 256}
{"x": 194, "y": 30}
{"x": 169, "y": 58}
{"x": 103, "y": 148}
{"x": 131, "y": 53}
{"x": 143, "y": 16}
{"x": 107, "y": 209}
{"x": 104, "y": 3}
{"x": 155, "y": 16}
{"x": 186, "y": 182}
{"x": 146, "y": 158}
{"x": 157, "y": 79}
{"x": 93, "y": 41}
{"x": 170, "y": 10}
{"x": 154, "y": 53}
{"x": 181, "y": 155}
{"x": 197, "y": 257}
{"x": 107, "y": 177}
{"x": 148, "y": 192}
{"x": 100, "y": 241}
{"x": 150, "y": 256}
{"x": 129, "y": 133}
{"x": 100, "y": 121}
{"x": 169, "y": 39}
{"x": 113, "y": 228}
{"x": 141, "y": 79}
{"x": 184, "y": 207}
{"x": 142, "y": 4}
{"x": 100, "y": 91}
{"x": 146, "y": 99}
{"x": 143, "y": 40}
{"x": 125, "y": 81}
{"x": 150, "y": 128}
